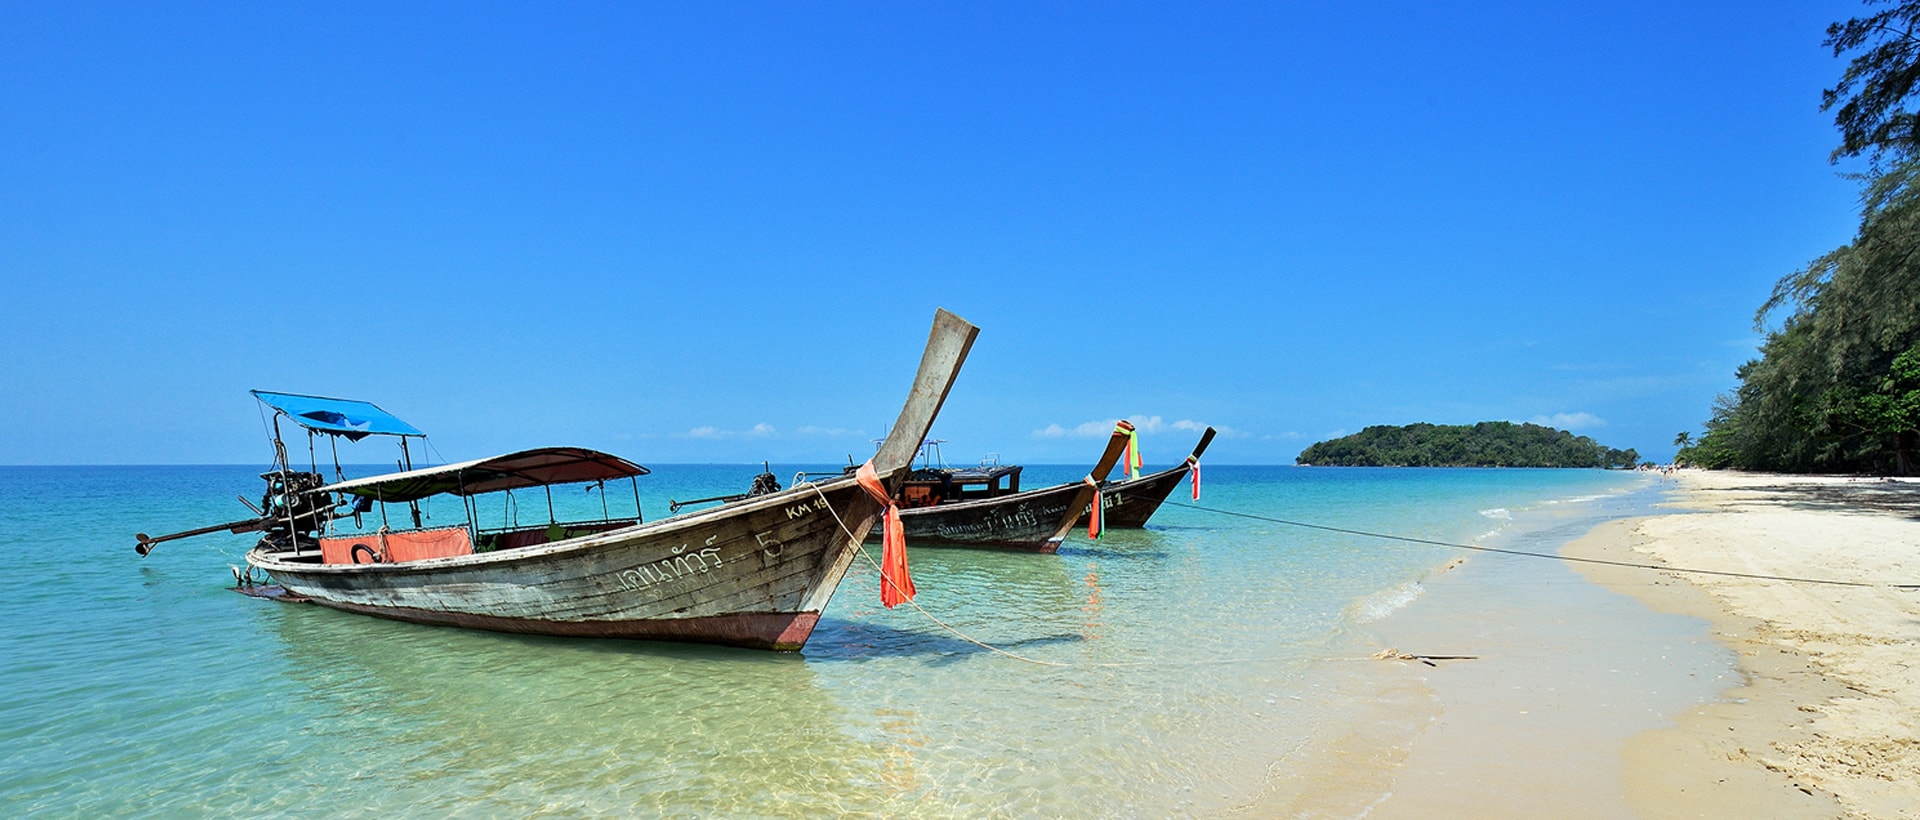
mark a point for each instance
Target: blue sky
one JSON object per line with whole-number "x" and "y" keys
{"x": 704, "y": 232}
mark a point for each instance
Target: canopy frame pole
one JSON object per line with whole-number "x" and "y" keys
{"x": 286, "y": 483}
{"x": 466, "y": 503}
{"x": 338, "y": 475}
{"x": 635, "y": 481}
{"x": 606, "y": 513}
{"x": 550, "y": 518}
{"x": 406, "y": 463}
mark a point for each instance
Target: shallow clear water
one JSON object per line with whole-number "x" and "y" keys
{"x": 1176, "y": 657}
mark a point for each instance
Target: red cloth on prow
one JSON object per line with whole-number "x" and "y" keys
{"x": 896, "y": 584}
{"x": 1096, "y": 517}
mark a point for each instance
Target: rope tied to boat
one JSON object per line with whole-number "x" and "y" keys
{"x": 958, "y": 633}
{"x": 896, "y": 584}
{"x": 1569, "y": 559}
{"x": 887, "y": 582}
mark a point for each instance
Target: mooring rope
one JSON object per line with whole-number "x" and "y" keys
{"x": 1553, "y": 556}
{"x": 857, "y": 539}
{"x": 1390, "y": 654}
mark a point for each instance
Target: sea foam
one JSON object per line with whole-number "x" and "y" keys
{"x": 1379, "y": 605}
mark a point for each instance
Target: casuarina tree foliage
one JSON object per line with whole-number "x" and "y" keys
{"x": 1837, "y": 384}
{"x": 1874, "y": 91}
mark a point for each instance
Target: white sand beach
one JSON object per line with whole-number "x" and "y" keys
{"x": 1828, "y": 718}
{"x": 1650, "y": 693}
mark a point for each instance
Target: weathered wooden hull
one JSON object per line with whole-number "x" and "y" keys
{"x": 1035, "y": 520}
{"x": 1129, "y": 503}
{"x": 754, "y": 574}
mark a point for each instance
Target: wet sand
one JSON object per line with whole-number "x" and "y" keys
{"x": 1600, "y": 691}
{"x": 1826, "y": 722}
{"x": 1558, "y": 675}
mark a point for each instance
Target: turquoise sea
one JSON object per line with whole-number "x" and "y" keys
{"x": 1178, "y": 662}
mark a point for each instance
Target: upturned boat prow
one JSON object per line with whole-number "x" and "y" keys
{"x": 1032, "y": 521}
{"x": 1129, "y": 502}
{"x": 947, "y": 346}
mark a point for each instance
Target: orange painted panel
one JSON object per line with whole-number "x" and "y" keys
{"x": 394, "y": 547}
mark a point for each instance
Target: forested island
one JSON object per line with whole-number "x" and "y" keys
{"x": 1837, "y": 384}
{"x": 1487, "y": 444}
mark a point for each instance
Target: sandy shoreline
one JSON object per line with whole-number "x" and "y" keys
{"x": 1563, "y": 673}
{"x": 1602, "y": 691}
{"x": 1827, "y": 722}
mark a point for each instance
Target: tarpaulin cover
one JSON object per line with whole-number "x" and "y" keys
{"x": 527, "y": 468}
{"x": 395, "y": 547}
{"x": 341, "y": 417}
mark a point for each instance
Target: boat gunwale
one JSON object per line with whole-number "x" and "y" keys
{"x": 974, "y": 475}
{"x": 265, "y": 560}
{"x": 1023, "y": 495}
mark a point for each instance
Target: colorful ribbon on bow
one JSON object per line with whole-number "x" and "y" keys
{"x": 1193, "y": 466}
{"x": 1096, "y": 522}
{"x": 1132, "y": 458}
{"x": 896, "y": 585}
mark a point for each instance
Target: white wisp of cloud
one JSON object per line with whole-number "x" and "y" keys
{"x": 1570, "y": 421}
{"x": 1145, "y": 424}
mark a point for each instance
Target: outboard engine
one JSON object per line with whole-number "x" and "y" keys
{"x": 764, "y": 484}
{"x": 295, "y": 513}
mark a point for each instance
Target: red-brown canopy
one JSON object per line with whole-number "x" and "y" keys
{"x": 527, "y": 468}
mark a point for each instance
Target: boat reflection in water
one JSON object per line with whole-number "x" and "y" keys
{"x": 489, "y": 723}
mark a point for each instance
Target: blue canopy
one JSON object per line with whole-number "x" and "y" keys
{"x": 340, "y": 417}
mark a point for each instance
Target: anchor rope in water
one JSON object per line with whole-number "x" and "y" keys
{"x": 1326, "y": 528}
{"x": 1567, "y": 558}
{"x": 857, "y": 539}
{"x": 1427, "y": 659}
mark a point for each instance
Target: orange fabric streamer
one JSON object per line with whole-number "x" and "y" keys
{"x": 896, "y": 585}
{"x": 1133, "y": 461}
{"x": 1193, "y": 464}
{"x": 1096, "y": 523}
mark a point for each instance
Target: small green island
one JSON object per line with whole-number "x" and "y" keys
{"x": 1487, "y": 444}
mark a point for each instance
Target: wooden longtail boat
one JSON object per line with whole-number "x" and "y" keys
{"x": 1036, "y": 520}
{"x": 1129, "y": 502}
{"x": 755, "y": 573}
